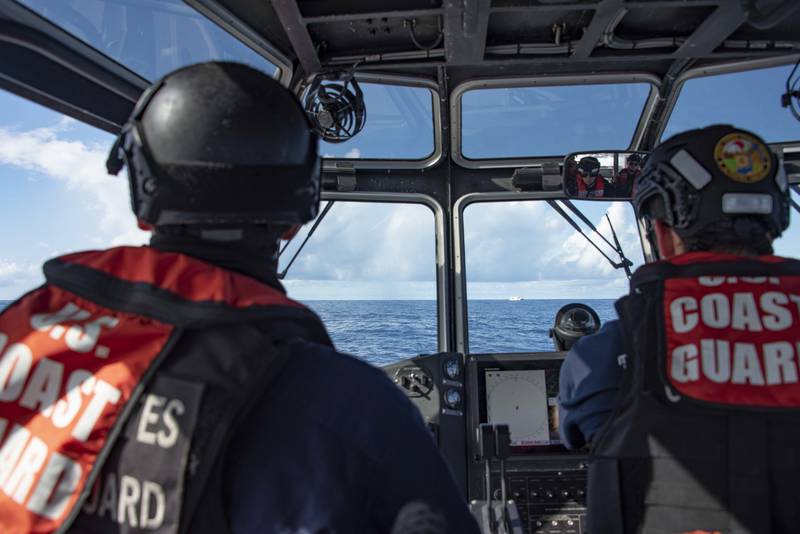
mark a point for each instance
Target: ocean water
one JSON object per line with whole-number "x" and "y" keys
{"x": 383, "y": 331}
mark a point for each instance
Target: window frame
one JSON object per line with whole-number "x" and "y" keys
{"x": 217, "y": 14}
{"x": 209, "y": 10}
{"x": 460, "y": 314}
{"x": 728, "y": 68}
{"x": 339, "y": 164}
{"x": 440, "y": 253}
{"x": 542, "y": 81}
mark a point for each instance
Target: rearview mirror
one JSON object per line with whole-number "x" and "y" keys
{"x": 605, "y": 175}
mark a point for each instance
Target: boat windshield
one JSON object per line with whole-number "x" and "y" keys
{"x": 525, "y": 253}
{"x": 748, "y": 99}
{"x": 520, "y": 122}
{"x": 149, "y": 37}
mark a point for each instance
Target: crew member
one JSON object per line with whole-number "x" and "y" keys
{"x": 627, "y": 176}
{"x": 690, "y": 400}
{"x": 588, "y": 180}
{"x": 175, "y": 387}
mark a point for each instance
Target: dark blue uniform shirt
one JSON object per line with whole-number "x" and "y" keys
{"x": 335, "y": 446}
{"x": 589, "y": 382}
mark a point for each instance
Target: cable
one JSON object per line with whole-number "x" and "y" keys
{"x": 791, "y": 98}
{"x": 412, "y": 32}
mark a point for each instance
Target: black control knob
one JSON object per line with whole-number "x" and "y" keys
{"x": 497, "y": 495}
{"x": 565, "y": 494}
{"x": 535, "y": 494}
{"x": 549, "y": 495}
{"x": 581, "y": 493}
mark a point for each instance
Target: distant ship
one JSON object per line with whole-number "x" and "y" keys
{"x": 515, "y": 299}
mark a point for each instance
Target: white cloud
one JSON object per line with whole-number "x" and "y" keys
{"x": 309, "y": 290}
{"x": 368, "y": 242}
{"x": 16, "y": 277}
{"x": 512, "y": 248}
{"x": 528, "y": 241}
{"x": 576, "y": 250}
{"x": 81, "y": 167}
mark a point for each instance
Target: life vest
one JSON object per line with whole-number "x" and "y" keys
{"x": 706, "y": 430}
{"x": 122, "y": 380}
{"x": 625, "y": 180}
{"x": 594, "y": 190}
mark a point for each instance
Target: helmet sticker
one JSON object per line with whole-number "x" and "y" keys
{"x": 743, "y": 158}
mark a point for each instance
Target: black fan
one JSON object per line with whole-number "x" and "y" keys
{"x": 335, "y": 106}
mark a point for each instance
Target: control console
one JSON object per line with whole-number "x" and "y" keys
{"x": 434, "y": 383}
{"x": 545, "y": 480}
{"x": 548, "y": 501}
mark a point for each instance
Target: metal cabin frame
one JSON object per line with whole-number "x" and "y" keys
{"x": 447, "y": 47}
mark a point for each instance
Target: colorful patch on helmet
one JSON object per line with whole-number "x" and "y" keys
{"x": 743, "y": 158}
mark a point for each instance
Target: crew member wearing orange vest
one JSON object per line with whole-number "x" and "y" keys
{"x": 175, "y": 388}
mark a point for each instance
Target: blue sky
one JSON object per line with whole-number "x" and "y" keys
{"x": 57, "y": 197}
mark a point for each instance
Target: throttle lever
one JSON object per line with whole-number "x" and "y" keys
{"x": 486, "y": 450}
{"x": 502, "y": 447}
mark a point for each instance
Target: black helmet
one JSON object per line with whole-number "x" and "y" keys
{"x": 634, "y": 158}
{"x": 711, "y": 176}
{"x": 589, "y": 166}
{"x": 219, "y": 143}
{"x": 573, "y": 321}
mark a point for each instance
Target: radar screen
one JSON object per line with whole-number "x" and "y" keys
{"x": 519, "y": 399}
{"x": 525, "y": 400}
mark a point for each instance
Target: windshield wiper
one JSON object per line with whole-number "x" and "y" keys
{"x": 282, "y": 274}
{"x": 625, "y": 263}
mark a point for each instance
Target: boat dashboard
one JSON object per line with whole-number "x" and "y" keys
{"x": 457, "y": 394}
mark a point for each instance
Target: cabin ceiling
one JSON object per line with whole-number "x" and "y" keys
{"x": 515, "y": 37}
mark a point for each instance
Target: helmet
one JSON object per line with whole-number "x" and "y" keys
{"x": 702, "y": 178}
{"x": 634, "y": 159}
{"x": 573, "y": 321}
{"x": 219, "y": 143}
{"x": 589, "y": 166}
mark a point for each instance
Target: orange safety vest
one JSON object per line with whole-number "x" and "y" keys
{"x": 76, "y": 357}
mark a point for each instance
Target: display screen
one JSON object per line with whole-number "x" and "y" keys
{"x": 525, "y": 400}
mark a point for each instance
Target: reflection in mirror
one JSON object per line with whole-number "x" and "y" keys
{"x": 608, "y": 175}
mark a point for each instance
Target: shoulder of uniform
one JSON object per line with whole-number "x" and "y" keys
{"x": 356, "y": 399}
{"x": 609, "y": 334}
{"x": 354, "y": 379}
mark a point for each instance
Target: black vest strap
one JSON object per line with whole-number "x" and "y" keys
{"x": 655, "y": 272}
{"x": 604, "y": 493}
{"x": 223, "y": 362}
{"x": 748, "y": 483}
{"x": 204, "y": 502}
